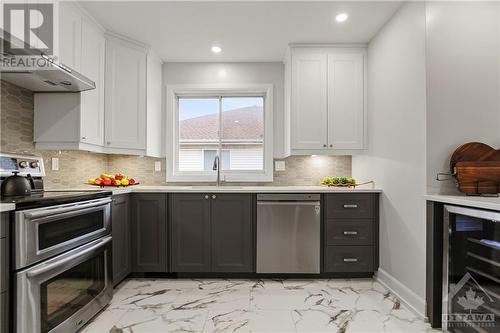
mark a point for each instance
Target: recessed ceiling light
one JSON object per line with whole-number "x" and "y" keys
{"x": 216, "y": 49}
{"x": 342, "y": 17}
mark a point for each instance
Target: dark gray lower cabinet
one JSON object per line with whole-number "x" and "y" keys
{"x": 121, "y": 231}
{"x": 149, "y": 232}
{"x": 232, "y": 233}
{"x": 351, "y": 232}
{"x": 4, "y": 313}
{"x": 190, "y": 232}
{"x": 211, "y": 233}
{"x": 4, "y": 272}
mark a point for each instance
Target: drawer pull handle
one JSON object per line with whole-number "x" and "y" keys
{"x": 350, "y": 259}
{"x": 351, "y": 206}
{"x": 350, "y": 233}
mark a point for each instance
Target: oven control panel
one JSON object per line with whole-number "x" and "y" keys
{"x": 24, "y": 164}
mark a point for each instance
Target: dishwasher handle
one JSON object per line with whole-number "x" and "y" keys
{"x": 288, "y": 203}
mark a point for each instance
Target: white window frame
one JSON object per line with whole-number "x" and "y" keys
{"x": 210, "y": 90}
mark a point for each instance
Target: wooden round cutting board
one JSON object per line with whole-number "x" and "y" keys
{"x": 472, "y": 152}
{"x": 476, "y": 167}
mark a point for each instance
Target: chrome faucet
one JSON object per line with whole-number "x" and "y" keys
{"x": 216, "y": 166}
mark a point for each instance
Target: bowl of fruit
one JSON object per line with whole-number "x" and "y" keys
{"x": 332, "y": 181}
{"x": 338, "y": 181}
{"x": 118, "y": 179}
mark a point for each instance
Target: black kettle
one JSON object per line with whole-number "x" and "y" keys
{"x": 15, "y": 186}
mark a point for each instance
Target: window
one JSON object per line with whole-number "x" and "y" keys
{"x": 236, "y": 125}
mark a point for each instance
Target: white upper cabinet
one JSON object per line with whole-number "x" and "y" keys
{"x": 327, "y": 109}
{"x": 125, "y": 115}
{"x": 92, "y": 64}
{"x": 309, "y": 99}
{"x": 74, "y": 120}
{"x": 346, "y": 99}
{"x": 70, "y": 35}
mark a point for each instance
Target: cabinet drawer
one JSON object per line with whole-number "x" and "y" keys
{"x": 349, "y": 259}
{"x": 349, "y": 206}
{"x": 349, "y": 232}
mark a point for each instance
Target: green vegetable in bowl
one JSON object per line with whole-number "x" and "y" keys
{"x": 334, "y": 180}
{"x": 326, "y": 180}
{"x": 343, "y": 180}
{"x": 351, "y": 181}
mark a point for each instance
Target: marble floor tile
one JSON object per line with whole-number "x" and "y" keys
{"x": 263, "y": 305}
{"x": 146, "y": 321}
{"x": 249, "y": 321}
{"x": 105, "y": 321}
{"x": 214, "y": 299}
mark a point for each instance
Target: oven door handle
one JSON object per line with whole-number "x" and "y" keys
{"x": 65, "y": 261}
{"x": 59, "y": 210}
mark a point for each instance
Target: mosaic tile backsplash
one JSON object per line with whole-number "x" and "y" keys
{"x": 75, "y": 167}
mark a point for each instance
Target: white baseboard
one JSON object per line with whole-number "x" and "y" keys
{"x": 415, "y": 303}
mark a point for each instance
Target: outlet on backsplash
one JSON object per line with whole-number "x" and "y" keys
{"x": 55, "y": 163}
{"x": 157, "y": 166}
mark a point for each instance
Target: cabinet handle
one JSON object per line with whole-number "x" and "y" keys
{"x": 84, "y": 138}
{"x": 350, "y": 233}
{"x": 331, "y": 146}
{"x": 350, "y": 259}
{"x": 206, "y": 197}
{"x": 108, "y": 142}
{"x": 214, "y": 196}
{"x": 324, "y": 145}
{"x": 351, "y": 206}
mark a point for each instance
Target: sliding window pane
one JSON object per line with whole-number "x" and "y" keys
{"x": 198, "y": 131}
{"x": 242, "y": 120}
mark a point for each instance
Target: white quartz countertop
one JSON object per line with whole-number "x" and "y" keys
{"x": 492, "y": 203}
{"x": 227, "y": 189}
{"x": 5, "y": 207}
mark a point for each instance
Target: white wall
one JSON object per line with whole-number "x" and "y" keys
{"x": 396, "y": 155}
{"x": 209, "y": 73}
{"x": 463, "y": 71}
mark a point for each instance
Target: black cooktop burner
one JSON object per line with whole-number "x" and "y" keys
{"x": 50, "y": 198}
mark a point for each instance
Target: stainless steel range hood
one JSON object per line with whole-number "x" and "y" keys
{"x": 51, "y": 77}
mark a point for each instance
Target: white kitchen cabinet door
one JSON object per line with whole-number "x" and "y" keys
{"x": 346, "y": 107}
{"x": 125, "y": 103}
{"x": 309, "y": 99}
{"x": 70, "y": 35}
{"x": 92, "y": 109}
{"x": 154, "y": 122}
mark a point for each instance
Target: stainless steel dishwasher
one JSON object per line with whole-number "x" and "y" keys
{"x": 288, "y": 233}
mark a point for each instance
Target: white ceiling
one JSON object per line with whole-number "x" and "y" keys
{"x": 246, "y": 31}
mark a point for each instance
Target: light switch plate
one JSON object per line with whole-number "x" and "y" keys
{"x": 157, "y": 166}
{"x": 279, "y": 166}
{"x": 55, "y": 163}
